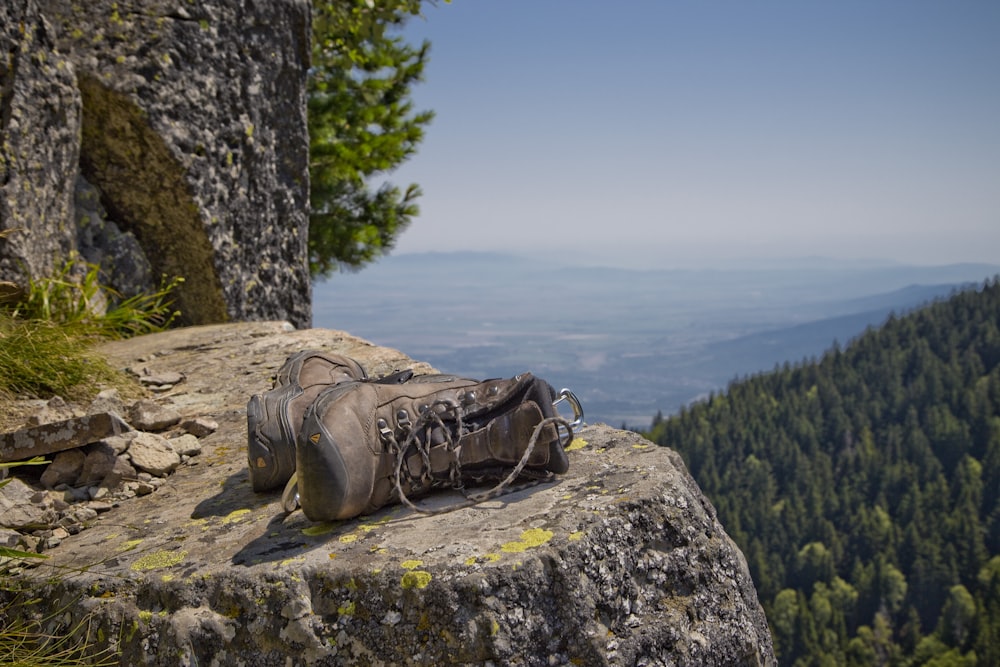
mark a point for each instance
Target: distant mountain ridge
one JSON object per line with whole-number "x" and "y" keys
{"x": 630, "y": 342}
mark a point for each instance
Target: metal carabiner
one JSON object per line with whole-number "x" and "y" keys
{"x": 570, "y": 397}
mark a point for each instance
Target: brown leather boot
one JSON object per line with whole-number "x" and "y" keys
{"x": 365, "y": 445}
{"x": 274, "y": 417}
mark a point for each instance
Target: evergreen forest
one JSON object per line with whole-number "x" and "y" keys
{"x": 864, "y": 489}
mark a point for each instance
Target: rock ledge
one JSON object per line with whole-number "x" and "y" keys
{"x": 621, "y": 561}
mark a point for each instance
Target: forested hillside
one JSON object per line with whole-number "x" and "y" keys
{"x": 864, "y": 489}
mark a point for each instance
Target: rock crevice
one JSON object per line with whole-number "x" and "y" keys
{"x": 189, "y": 118}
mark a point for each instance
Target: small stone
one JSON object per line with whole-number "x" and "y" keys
{"x": 200, "y": 426}
{"x": 72, "y": 494}
{"x": 186, "y": 445}
{"x": 78, "y": 515}
{"x": 9, "y": 538}
{"x": 158, "y": 379}
{"x": 18, "y": 511}
{"x": 147, "y": 415}
{"x": 144, "y": 488}
{"x": 120, "y": 443}
{"x": 97, "y": 492}
{"x": 65, "y": 468}
{"x": 121, "y": 471}
{"x": 100, "y": 460}
{"x": 153, "y": 453}
{"x": 56, "y": 501}
{"x": 108, "y": 400}
{"x": 55, "y": 537}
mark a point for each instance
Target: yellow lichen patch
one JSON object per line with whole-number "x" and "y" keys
{"x": 415, "y": 579}
{"x": 145, "y": 616}
{"x": 203, "y": 523}
{"x": 289, "y": 561}
{"x": 235, "y": 516}
{"x": 411, "y": 564}
{"x": 347, "y": 539}
{"x": 318, "y": 529}
{"x": 471, "y": 560}
{"x": 494, "y": 627}
{"x": 639, "y": 446}
{"x": 167, "y": 577}
{"x": 576, "y": 536}
{"x": 578, "y": 443}
{"x": 492, "y": 558}
{"x": 536, "y": 536}
{"x": 514, "y": 547}
{"x": 158, "y": 559}
{"x": 533, "y": 537}
{"x": 128, "y": 546}
{"x": 332, "y": 555}
{"x": 347, "y": 609}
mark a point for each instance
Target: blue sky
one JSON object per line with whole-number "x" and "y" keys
{"x": 665, "y": 133}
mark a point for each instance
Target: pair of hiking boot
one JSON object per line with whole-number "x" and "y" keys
{"x": 344, "y": 444}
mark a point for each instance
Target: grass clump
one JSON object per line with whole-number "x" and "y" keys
{"x": 75, "y": 298}
{"x": 47, "y": 335}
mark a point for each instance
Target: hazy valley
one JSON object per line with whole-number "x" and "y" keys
{"x": 628, "y": 342}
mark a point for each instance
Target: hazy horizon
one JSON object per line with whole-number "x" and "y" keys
{"x": 657, "y": 133}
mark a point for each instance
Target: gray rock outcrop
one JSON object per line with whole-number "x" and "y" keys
{"x": 621, "y": 561}
{"x": 189, "y": 121}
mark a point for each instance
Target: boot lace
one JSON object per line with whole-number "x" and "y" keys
{"x": 432, "y": 419}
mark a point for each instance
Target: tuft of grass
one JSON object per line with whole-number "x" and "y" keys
{"x": 43, "y": 359}
{"x": 30, "y": 641}
{"x": 74, "y": 297}
{"x": 47, "y": 337}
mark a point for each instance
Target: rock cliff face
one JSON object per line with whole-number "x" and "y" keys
{"x": 188, "y": 119}
{"x": 621, "y": 561}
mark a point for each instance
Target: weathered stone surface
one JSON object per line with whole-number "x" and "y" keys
{"x": 189, "y": 119}
{"x": 40, "y": 110}
{"x": 153, "y": 454}
{"x": 60, "y": 436}
{"x": 622, "y": 561}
